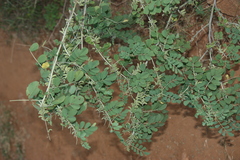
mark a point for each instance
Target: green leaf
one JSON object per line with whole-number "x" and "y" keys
{"x": 161, "y": 106}
{"x": 70, "y": 76}
{"x": 93, "y": 128}
{"x": 186, "y": 103}
{"x": 146, "y": 153}
{"x": 76, "y": 106}
{"x": 81, "y": 125}
{"x": 227, "y": 100}
{"x": 56, "y": 81}
{"x": 56, "y": 90}
{"x": 238, "y": 117}
{"x": 44, "y": 73}
{"x": 59, "y": 100}
{"x": 170, "y": 41}
{"x": 76, "y": 99}
{"x": 145, "y": 11}
{"x": 116, "y": 57}
{"x": 199, "y": 76}
{"x": 212, "y": 87}
{"x": 111, "y": 77}
{"x": 166, "y": 2}
{"x": 64, "y": 112}
{"x": 165, "y": 32}
{"x": 42, "y": 58}
{"x": 79, "y": 56}
{"x": 155, "y": 118}
{"x": 72, "y": 112}
{"x": 72, "y": 119}
{"x": 209, "y": 76}
{"x": 82, "y": 108}
{"x": 87, "y": 125}
{"x": 91, "y": 67}
{"x": 103, "y": 75}
{"x": 162, "y": 68}
{"x": 82, "y": 135}
{"x": 34, "y": 47}
{"x": 190, "y": 76}
{"x": 230, "y": 134}
{"x": 109, "y": 93}
{"x": 151, "y": 6}
{"x": 72, "y": 89}
{"x": 32, "y": 89}
{"x": 78, "y": 75}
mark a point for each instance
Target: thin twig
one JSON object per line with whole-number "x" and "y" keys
{"x": 203, "y": 54}
{"x": 35, "y": 58}
{"x": 168, "y": 22}
{"x": 48, "y": 135}
{"x": 23, "y": 100}
{"x": 59, "y": 21}
{"x": 84, "y": 14}
{"x": 210, "y": 29}
{"x": 202, "y": 29}
{"x": 210, "y": 32}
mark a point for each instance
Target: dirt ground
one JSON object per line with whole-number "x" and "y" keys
{"x": 182, "y": 138}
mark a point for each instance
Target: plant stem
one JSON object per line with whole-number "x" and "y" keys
{"x": 57, "y": 54}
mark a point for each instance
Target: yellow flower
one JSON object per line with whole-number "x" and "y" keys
{"x": 174, "y": 19}
{"x": 45, "y": 65}
{"x": 227, "y": 76}
{"x": 125, "y": 20}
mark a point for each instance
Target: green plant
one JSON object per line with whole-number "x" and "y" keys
{"x": 52, "y": 13}
{"x": 26, "y": 16}
{"x": 17, "y": 15}
{"x": 146, "y": 71}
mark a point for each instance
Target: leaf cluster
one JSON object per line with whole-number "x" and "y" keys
{"x": 145, "y": 72}
{"x": 29, "y": 16}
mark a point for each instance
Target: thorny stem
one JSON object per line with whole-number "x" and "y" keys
{"x": 48, "y": 130}
{"x": 109, "y": 118}
{"x": 57, "y": 54}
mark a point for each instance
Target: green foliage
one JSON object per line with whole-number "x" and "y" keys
{"x": 52, "y": 13}
{"x": 146, "y": 72}
{"x": 30, "y": 16}
{"x": 16, "y": 15}
{"x": 213, "y": 100}
{"x": 103, "y": 25}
